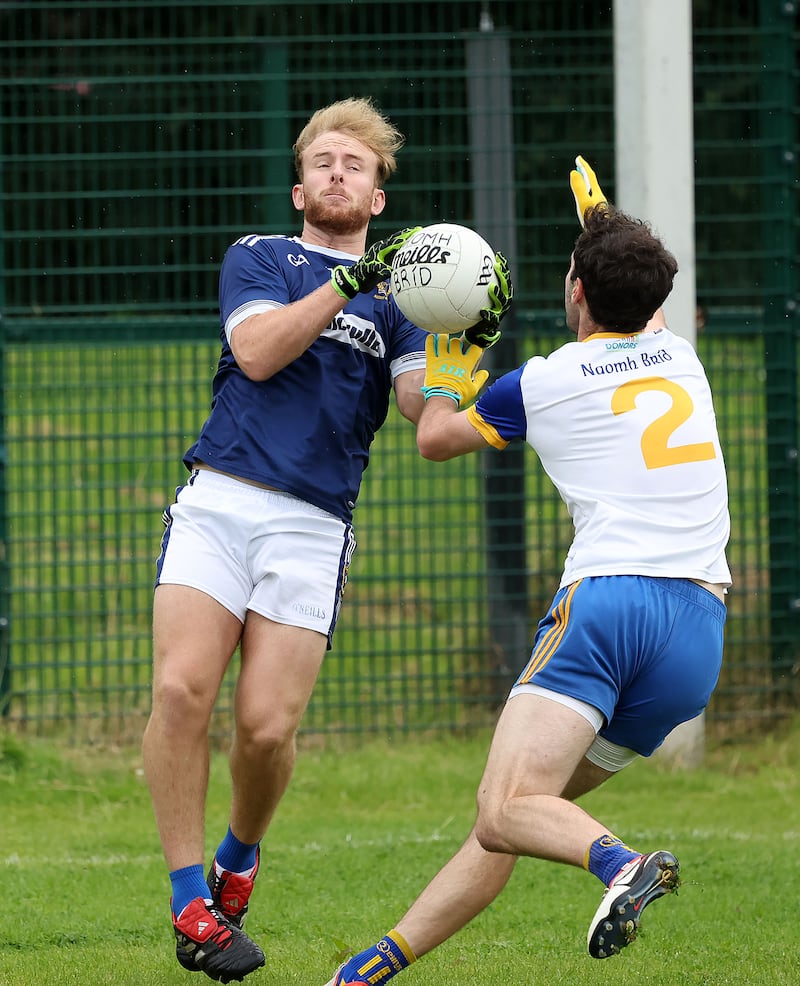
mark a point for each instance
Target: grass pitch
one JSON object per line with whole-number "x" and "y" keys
{"x": 357, "y": 837}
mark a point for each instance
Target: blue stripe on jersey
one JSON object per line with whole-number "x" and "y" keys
{"x": 308, "y": 429}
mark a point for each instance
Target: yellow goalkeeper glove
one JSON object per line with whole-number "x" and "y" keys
{"x": 450, "y": 369}
{"x": 585, "y": 188}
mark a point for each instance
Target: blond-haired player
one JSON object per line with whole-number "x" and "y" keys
{"x": 259, "y": 539}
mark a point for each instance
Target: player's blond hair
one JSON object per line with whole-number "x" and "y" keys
{"x": 359, "y": 118}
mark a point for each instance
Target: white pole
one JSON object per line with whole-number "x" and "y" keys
{"x": 654, "y": 107}
{"x": 655, "y": 134}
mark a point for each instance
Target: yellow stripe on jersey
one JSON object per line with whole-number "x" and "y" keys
{"x": 550, "y": 641}
{"x": 489, "y": 432}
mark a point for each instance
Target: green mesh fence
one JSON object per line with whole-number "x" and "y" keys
{"x": 140, "y": 139}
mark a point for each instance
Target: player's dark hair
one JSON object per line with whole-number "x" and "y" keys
{"x": 627, "y": 272}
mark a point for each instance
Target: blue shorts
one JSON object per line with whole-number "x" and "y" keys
{"x": 645, "y": 652}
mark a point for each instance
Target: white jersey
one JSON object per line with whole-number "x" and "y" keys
{"x": 625, "y": 428}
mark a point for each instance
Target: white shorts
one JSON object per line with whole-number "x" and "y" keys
{"x": 256, "y": 549}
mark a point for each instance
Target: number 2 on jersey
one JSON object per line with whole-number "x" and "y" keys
{"x": 655, "y": 439}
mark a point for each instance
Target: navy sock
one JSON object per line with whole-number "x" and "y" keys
{"x": 187, "y": 883}
{"x": 236, "y": 856}
{"x": 379, "y": 963}
{"x": 606, "y": 857}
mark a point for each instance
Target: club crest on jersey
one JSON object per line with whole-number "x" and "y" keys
{"x": 357, "y": 332}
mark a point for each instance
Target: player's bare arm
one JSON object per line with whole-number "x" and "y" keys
{"x": 267, "y": 342}
{"x": 408, "y": 394}
{"x": 444, "y": 432}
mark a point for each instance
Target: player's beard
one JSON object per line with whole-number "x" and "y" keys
{"x": 343, "y": 220}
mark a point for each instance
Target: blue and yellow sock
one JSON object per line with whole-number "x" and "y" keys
{"x": 377, "y": 965}
{"x": 606, "y": 856}
{"x": 236, "y": 856}
{"x": 187, "y": 883}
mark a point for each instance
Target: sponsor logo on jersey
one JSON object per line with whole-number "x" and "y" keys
{"x": 360, "y": 333}
{"x": 630, "y": 342}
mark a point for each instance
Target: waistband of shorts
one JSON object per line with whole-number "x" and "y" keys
{"x": 258, "y": 491}
{"x": 202, "y": 467}
{"x": 222, "y": 481}
{"x": 689, "y": 589}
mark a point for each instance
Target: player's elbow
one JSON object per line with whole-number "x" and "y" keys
{"x": 431, "y": 446}
{"x": 257, "y": 360}
{"x": 255, "y": 370}
{"x": 443, "y": 433}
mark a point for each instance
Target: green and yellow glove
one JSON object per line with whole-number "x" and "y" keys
{"x": 450, "y": 369}
{"x": 375, "y": 266}
{"x": 486, "y": 332}
{"x": 585, "y": 188}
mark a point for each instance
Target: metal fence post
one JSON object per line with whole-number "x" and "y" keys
{"x": 278, "y": 214}
{"x": 489, "y": 106}
{"x": 780, "y": 333}
{"x": 5, "y": 663}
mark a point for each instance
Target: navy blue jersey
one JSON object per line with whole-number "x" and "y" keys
{"x": 306, "y": 430}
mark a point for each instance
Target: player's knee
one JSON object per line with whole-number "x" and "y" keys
{"x": 180, "y": 703}
{"x": 270, "y": 736}
{"x": 488, "y": 829}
